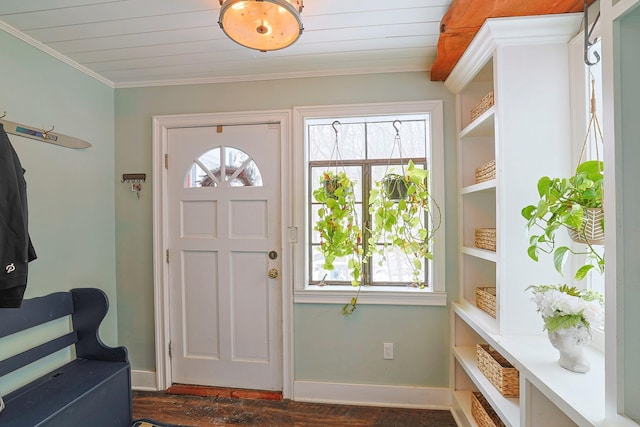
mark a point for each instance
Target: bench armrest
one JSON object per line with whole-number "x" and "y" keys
{"x": 90, "y": 306}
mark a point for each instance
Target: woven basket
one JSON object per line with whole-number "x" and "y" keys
{"x": 486, "y": 172}
{"x": 483, "y": 413}
{"x": 485, "y": 103}
{"x": 498, "y": 370}
{"x": 486, "y": 299}
{"x": 592, "y": 227}
{"x": 485, "y": 238}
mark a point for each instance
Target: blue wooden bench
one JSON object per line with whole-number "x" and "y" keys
{"x": 94, "y": 389}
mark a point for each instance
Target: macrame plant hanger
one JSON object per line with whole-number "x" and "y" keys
{"x": 592, "y": 231}
{"x": 593, "y": 127}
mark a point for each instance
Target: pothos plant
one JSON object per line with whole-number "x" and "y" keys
{"x": 401, "y": 218}
{"x": 340, "y": 233}
{"x": 564, "y": 203}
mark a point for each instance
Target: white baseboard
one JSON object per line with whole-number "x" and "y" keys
{"x": 144, "y": 380}
{"x": 372, "y": 395}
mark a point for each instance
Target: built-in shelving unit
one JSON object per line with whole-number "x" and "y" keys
{"x": 525, "y": 62}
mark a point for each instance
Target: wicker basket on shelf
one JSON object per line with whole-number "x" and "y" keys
{"x": 486, "y": 299}
{"x": 498, "y": 370}
{"x": 483, "y": 413}
{"x": 486, "y": 172}
{"x": 485, "y": 103}
{"x": 485, "y": 238}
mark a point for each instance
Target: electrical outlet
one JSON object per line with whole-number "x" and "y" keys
{"x": 387, "y": 350}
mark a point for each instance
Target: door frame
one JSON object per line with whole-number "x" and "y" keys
{"x": 161, "y": 126}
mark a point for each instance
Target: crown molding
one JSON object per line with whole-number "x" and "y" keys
{"x": 54, "y": 53}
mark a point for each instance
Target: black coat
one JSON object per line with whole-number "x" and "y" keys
{"x": 16, "y": 249}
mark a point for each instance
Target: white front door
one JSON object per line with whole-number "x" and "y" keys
{"x": 224, "y": 236}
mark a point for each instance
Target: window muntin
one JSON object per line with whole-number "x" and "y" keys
{"x": 223, "y": 165}
{"x": 365, "y": 151}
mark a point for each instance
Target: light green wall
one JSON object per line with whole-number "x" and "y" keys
{"x": 70, "y": 192}
{"x": 322, "y": 336}
{"x": 334, "y": 348}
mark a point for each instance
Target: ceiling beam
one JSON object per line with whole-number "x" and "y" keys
{"x": 465, "y": 17}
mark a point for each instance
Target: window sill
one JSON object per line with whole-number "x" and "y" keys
{"x": 379, "y": 295}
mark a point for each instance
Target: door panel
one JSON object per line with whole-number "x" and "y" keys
{"x": 224, "y": 218}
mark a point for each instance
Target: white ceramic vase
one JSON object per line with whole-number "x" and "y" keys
{"x": 571, "y": 342}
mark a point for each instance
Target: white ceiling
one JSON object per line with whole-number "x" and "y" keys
{"x": 129, "y": 43}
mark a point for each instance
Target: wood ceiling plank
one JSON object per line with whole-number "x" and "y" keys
{"x": 465, "y": 17}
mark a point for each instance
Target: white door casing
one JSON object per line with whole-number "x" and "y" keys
{"x": 236, "y": 335}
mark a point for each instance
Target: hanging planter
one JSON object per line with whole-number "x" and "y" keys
{"x": 337, "y": 223}
{"x": 592, "y": 229}
{"x": 395, "y": 187}
{"x": 575, "y": 203}
{"x": 402, "y": 212}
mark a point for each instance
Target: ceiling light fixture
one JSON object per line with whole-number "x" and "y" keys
{"x": 261, "y": 24}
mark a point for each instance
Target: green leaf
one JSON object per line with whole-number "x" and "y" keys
{"x": 544, "y": 184}
{"x": 528, "y": 211}
{"x": 552, "y": 324}
{"x": 583, "y": 271}
{"x": 590, "y": 167}
{"x": 533, "y": 252}
{"x": 559, "y": 257}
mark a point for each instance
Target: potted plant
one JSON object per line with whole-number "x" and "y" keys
{"x": 395, "y": 187}
{"x": 569, "y": 314}
{"x": 402, "y": 218}
{"x": 575, "y": 204}
{"x": 340, "y": 234}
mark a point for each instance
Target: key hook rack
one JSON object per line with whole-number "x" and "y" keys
{"x": 135, "y": 180}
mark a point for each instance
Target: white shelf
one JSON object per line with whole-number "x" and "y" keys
{"x": 480, "y": 253}
{"x": 579, "y": 396}
{"x": 508, "y": 409}
{"x": 483, "y": 125}
{"x": 462, "y": 400}
{"x": 483, "y": 324}
{"x": 477, "y": 188}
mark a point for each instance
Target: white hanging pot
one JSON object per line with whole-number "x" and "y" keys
{"x": 592, "y": 229}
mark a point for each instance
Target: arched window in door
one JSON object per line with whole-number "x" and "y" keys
{"x": 225, "y": 166}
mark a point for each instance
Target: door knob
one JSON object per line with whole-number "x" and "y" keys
{"x": 273, "y": 273}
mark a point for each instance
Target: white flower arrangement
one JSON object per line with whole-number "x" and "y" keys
{"x": 563, "y": 307}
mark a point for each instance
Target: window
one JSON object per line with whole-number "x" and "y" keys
{"x": 362, "y": 142}
{"x": 224, "y": 165}
{"x": 366, "y": 149}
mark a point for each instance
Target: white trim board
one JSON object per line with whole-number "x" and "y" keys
{"x": 143, "y": 380}
{"x": 373, "y": 395}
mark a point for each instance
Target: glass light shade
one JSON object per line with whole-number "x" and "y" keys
{"x": 261, "y": 24}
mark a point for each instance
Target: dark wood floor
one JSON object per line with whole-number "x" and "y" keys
{"x": 201, "y": 411}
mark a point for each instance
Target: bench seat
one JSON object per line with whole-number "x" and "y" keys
{"x": 93, "y": 389}
{"x": 82, "y": 392}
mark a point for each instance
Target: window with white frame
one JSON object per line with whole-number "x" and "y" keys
{"x": 366, "y": 142}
